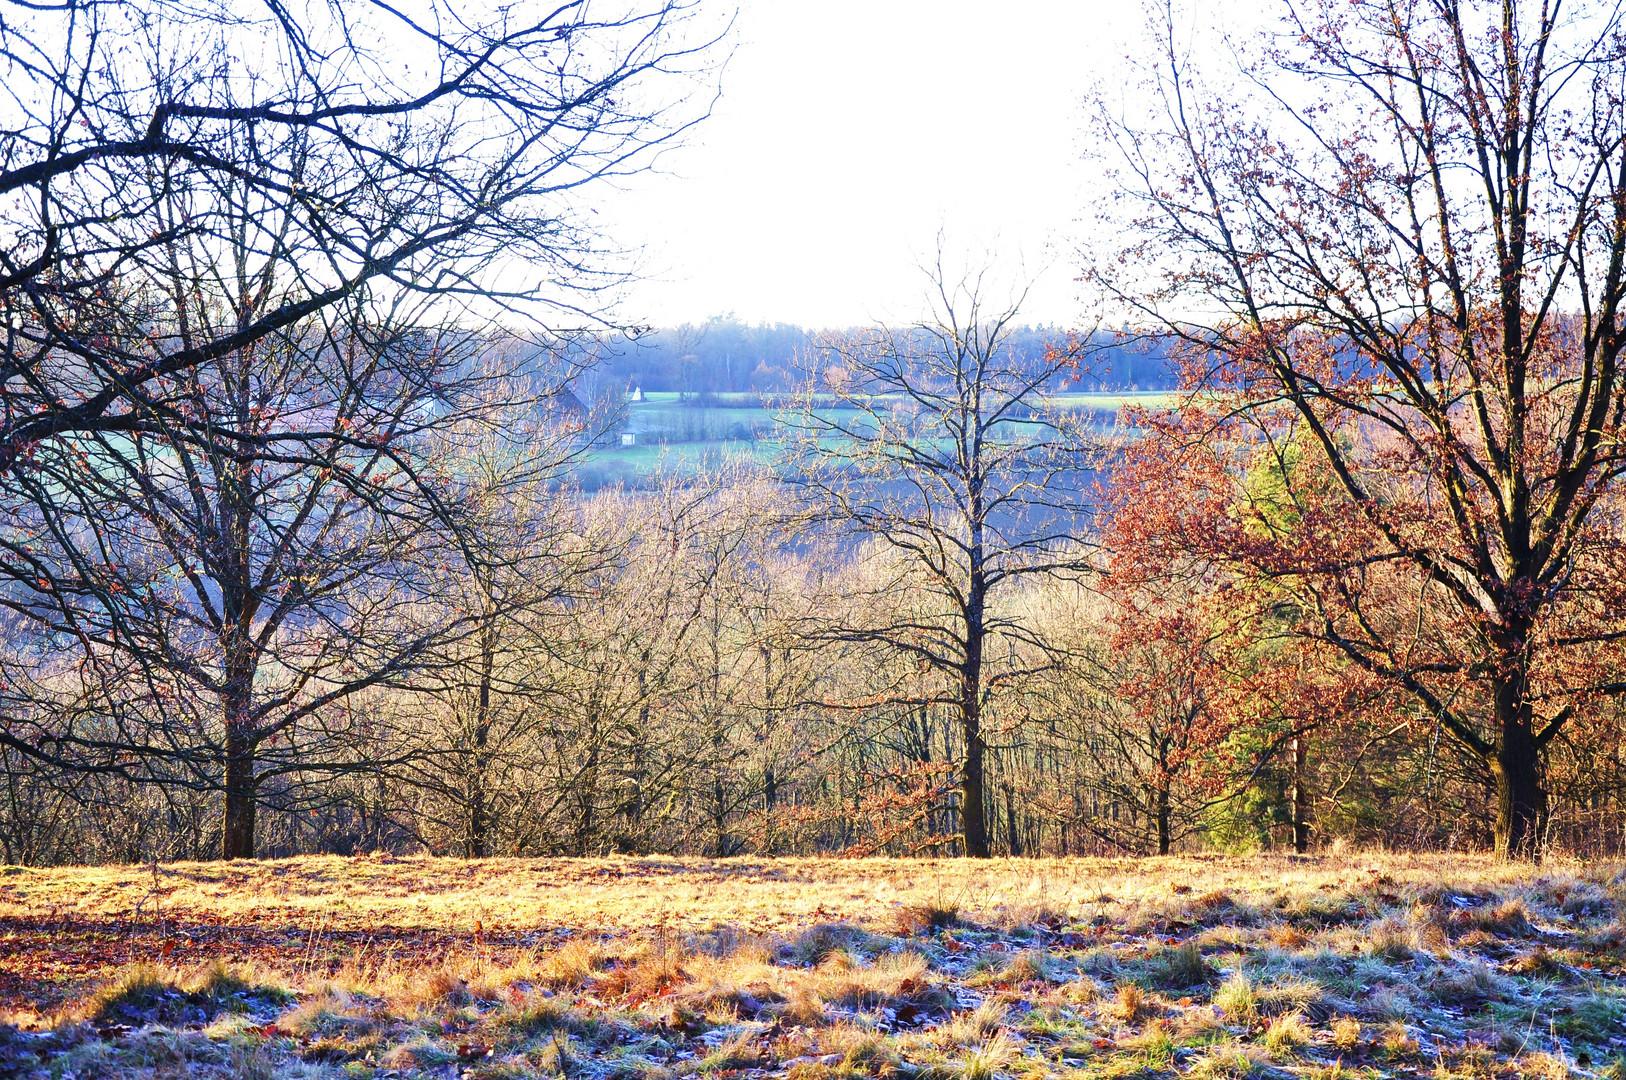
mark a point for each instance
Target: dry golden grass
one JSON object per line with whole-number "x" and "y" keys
{"x": 665, "y": 969}
{"x": 1346, "y": 1033}
{"x": 332, "y": 893}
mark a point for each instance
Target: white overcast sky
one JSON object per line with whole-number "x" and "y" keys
{"x": 850, "y": 133}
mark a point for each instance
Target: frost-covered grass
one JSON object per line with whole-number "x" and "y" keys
{"x": 822, "y": 970}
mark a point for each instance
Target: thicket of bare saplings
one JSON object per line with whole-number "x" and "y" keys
{"x": 910, "y": 639}
{"x": 668, "y": 685}
{"x": 717, "y": 665}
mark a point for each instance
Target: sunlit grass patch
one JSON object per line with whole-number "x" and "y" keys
{"x": 1237, "y": 999}
{"x": 418, "y": 1053}
{"x": 1287, "y": 1034}
{"x": 973, "y": 1027}
{"x": 573, "y": 964}
{"x": 924, "y": 916}
{"x": 1181, "y": 968}
{"x": 658, "y": 966}
{"x": 537, "y": 1016}
{"x": 817, "y": 942}
{"x": 330, "y": 1011}
{"x": 1229, "y": 1062}
{"x": 990, "y": 1058}
{"x": 1155, "y": 1044}
{"x": 1391, "y": 939}
{"x": 740, "y": 1051}
{"x": 1030, "y": 966}
{"x": 1397, "y": 1043}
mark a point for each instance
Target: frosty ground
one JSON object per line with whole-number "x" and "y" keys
{"x": 657, "y": 969}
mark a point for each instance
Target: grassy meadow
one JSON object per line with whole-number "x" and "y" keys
{"x": 684, "y": 438}
{"x": 660, "y": 969}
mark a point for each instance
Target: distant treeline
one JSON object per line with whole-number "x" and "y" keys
{"x": 726, "y": 355}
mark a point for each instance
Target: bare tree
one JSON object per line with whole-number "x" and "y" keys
{"x": 254, "y": 300}
{"x": 443, "y": 149}
{"x": 656, "y": 678}
{"x": 481, "y": 698}
{"x": 220, "y": 579}
{"x": 935, "y": 443}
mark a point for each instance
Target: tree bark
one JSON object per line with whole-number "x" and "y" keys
{"x": 1013, "y": 838}
{"x": 1165, "y": 825}
{"x": 1517, "y": 767}
{"x": 770, "y": 778}
{"x": 1301, "y": 796}
{"x": 587, "y": 788}
{"x": 237, "y": 708}
{"x": 476, "y": 796}
{"x": 237, "y": 826}
{"x": 973, "y": 799}
{"x": 973, "y": 804}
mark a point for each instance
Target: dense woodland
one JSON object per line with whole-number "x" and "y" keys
{"x": 293, "y": 556}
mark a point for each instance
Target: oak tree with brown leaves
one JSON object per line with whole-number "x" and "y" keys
{"x": 1398, "y": 288}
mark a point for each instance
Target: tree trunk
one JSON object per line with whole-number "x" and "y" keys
{"x": 588, "y": 800}
{"x": 973, "y": 806}
{"x": 237, "y": 707}
{"x": 1521, "y": 797}
{"x": 1301, "y": 796}
{"x": 477, "y": 845}
{"x": 1521, "y": 807}
{"x": 1165, "y": 814}
{"x": 1013, "y": 839}
{"x": 632, "y": 809}
{"x": 1516, "y": 766}
{"x": 237, "y": 826}
{"x": 770, "y": 778}
{"x": 973, "y": 803}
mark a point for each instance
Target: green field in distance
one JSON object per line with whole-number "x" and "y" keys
{"x": 680, "y": 436}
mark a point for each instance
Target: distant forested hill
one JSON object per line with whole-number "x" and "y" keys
{"x": 727, "y": 355}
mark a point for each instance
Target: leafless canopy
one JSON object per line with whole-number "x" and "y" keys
{"x": 436, "y": 148}
{"x": 276, "y": 276}
{"x": 938, "y": 444}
